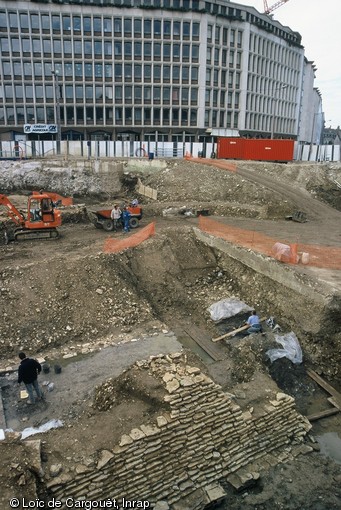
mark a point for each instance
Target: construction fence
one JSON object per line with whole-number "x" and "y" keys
{"x": 96, "y": 149}
{"x": 328, "y": 257}
{"x": 113, "y": 245}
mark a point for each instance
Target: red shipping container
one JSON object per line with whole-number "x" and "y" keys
{"x": 230, "y": 148}
{"x": 256, "y": 149}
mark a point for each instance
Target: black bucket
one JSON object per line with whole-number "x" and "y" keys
{"x": 46, "y": 368}
{"x": 57, "y": 369}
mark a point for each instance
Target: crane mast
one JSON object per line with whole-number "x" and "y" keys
{"x": 268, "y": 10}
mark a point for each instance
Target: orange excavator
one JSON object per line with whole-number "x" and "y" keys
{"x": 41, "y": 221}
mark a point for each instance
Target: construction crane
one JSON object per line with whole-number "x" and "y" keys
{"x": 273, "y": 7}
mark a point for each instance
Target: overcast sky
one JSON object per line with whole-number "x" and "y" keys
{"x": 319, "y": 23}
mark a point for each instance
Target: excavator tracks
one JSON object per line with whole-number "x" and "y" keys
{"x": 26, "y": 235}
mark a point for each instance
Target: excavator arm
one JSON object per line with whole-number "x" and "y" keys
{"x": 12, "y": 211}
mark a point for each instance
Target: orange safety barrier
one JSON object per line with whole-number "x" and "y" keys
{"x": 222, "y": 164}
{"x": 328, "y": 257}
{"x": 113, "y": 245}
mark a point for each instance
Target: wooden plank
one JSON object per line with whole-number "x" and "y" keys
{"x": 186, "y": 330}
{"x": 204, "y": 341}
{"x": 334, "y": 403}
{"x": 326, "y": 386}
{"x": 235, "y": 331}
{"x": 323, "y": 414}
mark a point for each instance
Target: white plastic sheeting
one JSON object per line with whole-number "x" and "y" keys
{"x": 227, "y": 308}
{"x": 291, "y": 348}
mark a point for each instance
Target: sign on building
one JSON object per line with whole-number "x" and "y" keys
{"x": 40, "y": 128}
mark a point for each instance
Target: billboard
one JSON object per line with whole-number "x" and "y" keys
{"x": 40, "y": 128}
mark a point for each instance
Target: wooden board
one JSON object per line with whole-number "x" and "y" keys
{"x": 204, "y": 340}
{"x": 326, "y": 386}
{"x": 200, "y": 337}
{"x": 323, "y": 414}
{"x": 235, "y": 331}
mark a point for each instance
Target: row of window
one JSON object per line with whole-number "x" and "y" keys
{"x": 100, "y": 116}
{"x": 89, "y": 49}
{"x": 224, "y": 36}
{"x": 260, "y": 122}
{"x": 221, "y": 119}
{"x": 100, "y": 72}
{"x": 100, "y": 94}
{"x": 262, "y": 47}
{"x": 220, "y": 56}
{"x": 101, "y": 26}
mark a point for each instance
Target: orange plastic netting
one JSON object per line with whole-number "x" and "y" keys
{"x": 328, "y": 257}
{"x": 222, "y": 164}
{"x": 113, "y": 245}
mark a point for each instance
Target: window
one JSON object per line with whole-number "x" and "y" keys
{"x": 17, "y": 69}
{"x": 166, "y": 29}
{"x": 107, "y": 26}
{"x": 137, "y": 72}
{"x": 13, "y": 20}
{"x": 176, "y": 51}
{"x": 66, "y": 23}
{"x": 176, "y": 30}
{"x": 138, "y": 95}
{"x": 20, "y": 115}
{"x": 89, "y": 93}
{"x": 88, "y": 71}
{"x": 77, "y": 48}
{"x": 24, "y": 21}
{"x": 98, "y": 49}
{"x": 195, "y": 31}
{"x": 127, "y": 27}
{"x": 77, "y": 24}
{"x": 184, "y": 96}
{"x": 36, "y": 46}
{"x": 56, "y": 23}
{"x": 88, "y": 49}
{"x": 99, "y": 114}
{"x": 87, "y": 25}
{"x": 67, "y": 48}
{"x": 118, "y": 49}
{"x": 34, "y": 21}
{"x": 166, "y": 74}
{"x": 99, "y": 94}
{"x": 107, "y": 49}
{"x": 98, "y": 71}
{"x": 137, "y": 27}
{"x": 89, "y": 115}
{"x": 118, "y": 26}
{"x": 9, "y": 93}
{"x": 98, "y": 26}
{"x": 147, "y": 28}
{"x": 186, "y": 29}
{"x": 194, "y": 96}
{"x": 80, "y": 115}
{"x": 147, "y": 50}
{"x": 38, "y": 70}
{"x": 157, "y": 28}
{"x": 4, "y": 45}
{"x": 118, "y": 93}
{"x": 194, "y": 75}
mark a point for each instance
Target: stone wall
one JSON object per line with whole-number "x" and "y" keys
{"x": 204, "y": 438}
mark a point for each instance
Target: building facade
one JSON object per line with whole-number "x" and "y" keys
{"x": 172, "y": 70}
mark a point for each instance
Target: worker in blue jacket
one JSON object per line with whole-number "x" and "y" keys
{"x": 126, "y": 219}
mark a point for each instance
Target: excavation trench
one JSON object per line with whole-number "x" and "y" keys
{"x": 113, "y": 310}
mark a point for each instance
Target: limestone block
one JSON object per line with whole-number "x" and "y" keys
{"x": 150, "y": 430}
{"x": 105, "y": 456}
{"x": 161, "y": 505}
{"x": 125, "y": 440}
{"x": 172, "y": 386}
{"x": 192, "y": 370}
{"x": 168, "y": 377}
{"x": 137, "y": 434}
{"x": 161, "y": 421}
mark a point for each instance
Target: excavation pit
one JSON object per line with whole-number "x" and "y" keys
{"x": 89, "y": 312}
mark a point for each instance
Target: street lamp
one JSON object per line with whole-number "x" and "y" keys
{"x": 55, "y": 75}
{"x": 275, "y": 109}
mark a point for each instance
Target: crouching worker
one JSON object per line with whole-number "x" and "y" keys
{"x": 254, "y": 323}
{"x": 28, "y": 374}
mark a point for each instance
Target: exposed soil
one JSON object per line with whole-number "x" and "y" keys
{"x": 66, "y": 297}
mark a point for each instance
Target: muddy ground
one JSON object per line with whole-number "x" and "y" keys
{"x": 95, "y": 314}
